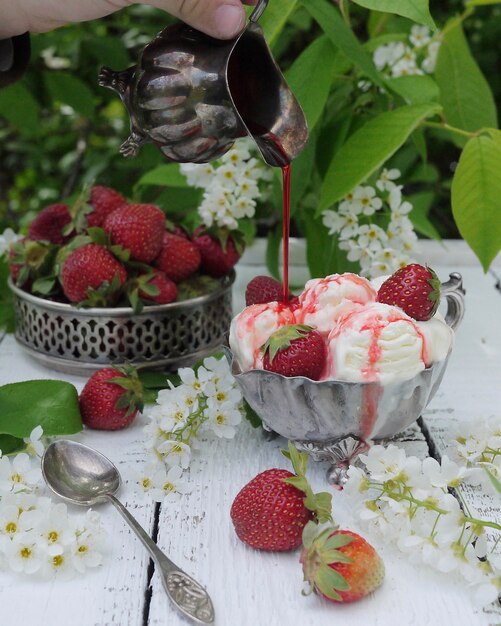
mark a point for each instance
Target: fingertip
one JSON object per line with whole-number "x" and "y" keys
{"x": 229, "y": 21}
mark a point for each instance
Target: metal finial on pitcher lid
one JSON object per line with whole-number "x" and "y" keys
{"x": 193, "y": 96}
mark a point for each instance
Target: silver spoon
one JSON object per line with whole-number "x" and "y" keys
{"x": 82, "y": 475}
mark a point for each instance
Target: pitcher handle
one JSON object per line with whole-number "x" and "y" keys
{"x": 258, "y": 11}
{"x": 454, "y": 294}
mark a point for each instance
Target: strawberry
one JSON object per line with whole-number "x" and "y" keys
{"x": 138, "y": 228}
{"x": 413, "y": 288}
{"x": 50, "y": 223}
{"x": 340, "y": 565}
{"x": 263, "y": 289}
{"x": 295, "y": 350}
{"x": 91, "y": 275}
{"x": 103, "y": 200}
{"x": 217, "y": 260}
{"x": 165, "y": 289}
{"x": 270, "y": 512}
{"x": 111, "y": 398}
{"x": 179, "y": 258}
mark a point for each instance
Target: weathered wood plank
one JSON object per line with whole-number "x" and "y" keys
{"x": 114, "y": 595}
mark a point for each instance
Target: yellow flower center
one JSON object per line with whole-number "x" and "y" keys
{"x": 168, "y": 487}
{"x": 16, "y": 478}
{"x": 220, "y": 419}
{"x": 220, "y": 396}
{"x": 11, "y": 528}
{"x": 82, "y": 549}
{"x": 146, "y": 483}
{"x": 177, "y": 448}
{"x": 58, "y": 560}
{"x": 53, "y": 536}
{"x": 25, "y": 553}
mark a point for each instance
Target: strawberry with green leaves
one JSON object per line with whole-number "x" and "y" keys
{"x": 271, "y": 511}
{"x": 51, "y": 224}
{"x": 340, "y": 565}
{"x": 30, "y": 261}
{"x": 102, "y": 201}
{"x": 295, "y": 350}
{"x": 91, "y": 275}
{"x": 111, "y": 398}
{"x": 219, "y": 251}
{"x": 413, "y": 288}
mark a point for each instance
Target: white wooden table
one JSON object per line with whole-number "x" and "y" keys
{"x": 251, "y": 588}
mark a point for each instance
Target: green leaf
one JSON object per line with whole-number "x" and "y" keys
{"x": 369, "y": 148}
{"x": 476, "y": 196}
{"x": 275, "y": 17}
{"x": 20, "y": 108}
{"x": 153, "y": 380}
{"x": 479, "y": 3}
{"x": 44, "y": 285}
{"x": 310, "y": 532}
{"x": 167, "y": 175}
{"x": 310, "y": 77}
{"x": 465, "y": 95}
{"x": 109, "y": 49}
{"x": 421, "y": 203}
{"x": 251, "y": 416}
{"x": 68, "y": 89}
{"x": 331, "y": 21}
{"x": 416, "y": 10}
{"x": 328, "y": 580}
{"x": 7, "y": 318}
{"x": 494, "y": 480}
{"x": 52, "y": 404}
{"x": 415, "y": 89}
{"x": 11, "y": 445}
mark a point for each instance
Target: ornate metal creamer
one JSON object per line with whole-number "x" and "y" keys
{"x": 193, "y": 96}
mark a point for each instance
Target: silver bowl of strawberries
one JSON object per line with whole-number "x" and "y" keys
{"x": 109, "y": 283}
{"x": 347, "y": 361}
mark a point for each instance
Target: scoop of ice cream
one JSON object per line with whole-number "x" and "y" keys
{"x": 381, "y": 343}
{"x": 439, "y": 338}
{"x": 251, "y": 328}
{"x": 325, "y": 300}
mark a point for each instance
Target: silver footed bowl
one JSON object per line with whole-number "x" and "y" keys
{"x": 335, "y": 421}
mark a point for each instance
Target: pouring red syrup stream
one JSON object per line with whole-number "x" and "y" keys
{"x": 286, "y": 188}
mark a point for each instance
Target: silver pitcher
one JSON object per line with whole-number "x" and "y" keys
{"x": 193, "y": 96}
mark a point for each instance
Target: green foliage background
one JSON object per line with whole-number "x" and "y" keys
{"x": 58, "y": 129}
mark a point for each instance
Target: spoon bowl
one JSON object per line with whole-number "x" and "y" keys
{"x": 79, "y": 474}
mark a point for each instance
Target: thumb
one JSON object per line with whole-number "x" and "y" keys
{"x": 223, "y": 19}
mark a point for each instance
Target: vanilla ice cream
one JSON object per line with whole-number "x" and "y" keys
{"x": 251, "y": 329}
{"x": 381, "y": 343}
{"x": 325, "y": 300}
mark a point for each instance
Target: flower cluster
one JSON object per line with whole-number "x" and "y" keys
{"x": 379, "y": 250}
{"x": 38, "y": 536}
{"x": 417, "y": 56}
{"x": 231, "y": 185}
{"x": 479, "y": 448}
{"x": 408, "y": 502}
{"x": 206, "y": 400}
{"x": 6, "y": 239}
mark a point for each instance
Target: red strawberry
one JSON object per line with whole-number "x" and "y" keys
{"x": 340, "y": 565}
{"x": 165, "y": 288}
{"x": 178, "y": 258}
{"x": 49, "y": 224}
{"x": 138, "y": 228}
{"x": 216, "y": 261}
{"x": 111, "y": 398}
{"x": 91, "y": 274}
{"x": 263, "y": 289}
{"x": 104, "y": 200}
{"x": 413, "y": 288}
{"x": 270, "y": 512}
{"x": 295, "y": 350}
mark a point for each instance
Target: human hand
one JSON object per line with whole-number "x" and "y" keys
{"x": 220, "y": 18}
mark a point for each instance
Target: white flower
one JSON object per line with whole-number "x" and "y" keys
{"x": 84, "y": 551}
{"x": 198, "y": 175}
{"x": 34, "y": 443}
{"x": 366, "y": 200}
{"x": 386, "y": 178}
{"x": 247, "y": 188}
{"x": 371, "y": 237}
{"x": 444, "y": 474}
{"x": 175, "y": 453}
{"x": 7, "y": 238}
{"x": 430, "y": 62}
{"x": 20, "y": 476}
{"x": 189, "y": 378}
{"x": 223, "y": 418}
{"x": 385, "y": 463}
{"x": 55, "y": 531}
{"x": 168, "y": 486}
{"x": 226, "y": 176}
{"x": 332, "y": 221}
{"x": 420, "y": 35}
{"x": 406, "y": 66}
{"x": 23, "y": 554}
{"x": 244, "y": 207}
{"x": 388, "y": 54}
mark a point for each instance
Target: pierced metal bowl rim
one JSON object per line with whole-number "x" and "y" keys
{"x": 226, "y": 282}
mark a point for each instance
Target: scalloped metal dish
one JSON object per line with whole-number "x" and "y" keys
{"x": 79, "y": 341}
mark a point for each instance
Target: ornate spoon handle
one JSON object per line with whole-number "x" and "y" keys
{"x": 185, "y": 593}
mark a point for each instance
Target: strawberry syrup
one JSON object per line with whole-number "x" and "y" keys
{"x": 286, "y": 189}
